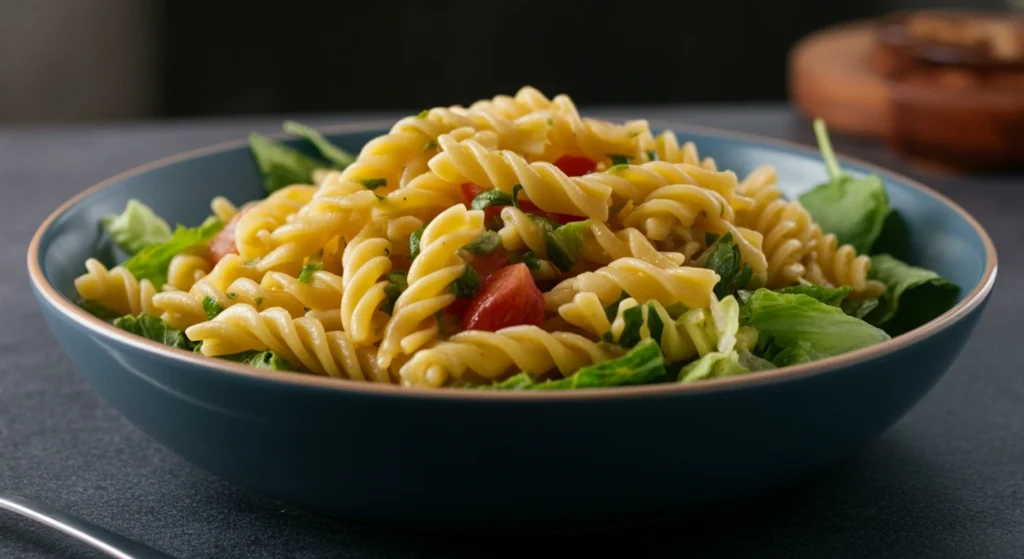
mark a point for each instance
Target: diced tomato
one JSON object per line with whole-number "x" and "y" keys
{"x": 575, "y": 166}
{"x": 507, "y": 298}
{"x": 223, "y": 243}
{"x": 485, "y": 265}
{"x": 457, "y": 308}
{"x": 470, "y": 191}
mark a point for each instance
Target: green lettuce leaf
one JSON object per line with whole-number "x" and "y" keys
{"x": 465, "y": 285}
{"x": 784, "y": 320}
{"x": 260, "y": 359}
{"x": 339, "y": 157}
{"x": 859, "y": 308}
{"x": 644, "y": 364}
{"x": 211, "y": 307}
{"x": 893, "y": 239}
{"x": 152, "y": 328}
{"x": 136, "y": 228}
{"x": 565, "y": 243}
{"x": 281, "y": 165}
{"x": 414, "y": 242}
{"x": 800, "y": 352}
{"x": 151, "y": 262}
{"x": 713, "y": 365}
{"x": 833, "y": 296}
{"x": 913, "y": 296}
{"x": 851, "y": 208}
{"x": 98, "y": 310}
{"x": 753, "y": 363}
{"x": 492, "y": 197}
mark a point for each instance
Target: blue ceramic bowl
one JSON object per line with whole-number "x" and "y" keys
{"x": 461, "y": 459}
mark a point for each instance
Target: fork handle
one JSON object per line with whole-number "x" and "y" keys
{"x": 98, "y": 537}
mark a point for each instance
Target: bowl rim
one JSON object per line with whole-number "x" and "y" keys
{"x": 297, "y": 380}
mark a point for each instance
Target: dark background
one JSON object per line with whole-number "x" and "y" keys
{"x": 128, "y": 59}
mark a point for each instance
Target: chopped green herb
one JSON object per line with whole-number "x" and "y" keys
{"x": 374, "y": 184}
{"x": 466, "y": 285}
{"x": 486, "y": 243}
{"x": 414, "y": 242}
{"x": 551, "y": 122}
{"x": 515, "y": 194}
{"x": 259, "y": 301}
{"x": 493, "y": 197}
{"x": 710, "y": 238}
{"x": 308, "y": 270}
{"x": 612, "y": 310}
{"x": 618, "y": 159}
{"x": 397, "y": 283}
{"x": 565, "y": 244}
{"x": 617, "y": 168}
{"x": 212, "y": 307}
{"x": 652, "y": 155}
{"x": 423, "y": 113}
{"x": 430, "y": 145}
{"x": 231, "y": 295}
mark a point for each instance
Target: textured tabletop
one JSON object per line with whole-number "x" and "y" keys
{"x": 946, "y": 481}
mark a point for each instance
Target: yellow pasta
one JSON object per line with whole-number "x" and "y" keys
{"x": 492, "y": 355}
{"x": 116, "y": 288}
{"x": 438, "y": 265}
{"x": 512, "y": 239}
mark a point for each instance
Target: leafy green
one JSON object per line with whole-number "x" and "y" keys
{"x": 652, "y": 155}
{"x": 414, "y": 242}
{"x": 152, "y": 328}
{"x": 528, "y": 258}
{"x": 308, "y": 269}
{"x": 260, "y": 359}
{"x": 544, "y": 223}
{"x": 633, "y": 323}
{"x": 618, "y": 159}
{"x": 98, "y": 310}
{"x": 565, "y": 244}
{"x": 211, "y": 307}
{"x": 374, "y": 184}
{"x": 136, "y": 228}
{"x": 339, "y": 157}
{"x": 612, "y": 310}
{"x": 859, "y": 308}
{"x": 515, "y": 194}
{"x": 787, "y": 319}
{"x": 281, "y": 165}
{"x": 893, "y": 238}
{"x": 913, "y": 296}
{"x": 799, "y": 352}
{"x": 397, "y": 283}
{"x": 723, "y": 256}
{"x": 492, "y": 197}
{"x": 713, "y": 365}
{"x": 465, "y": 285}
{"x": 753, "y": 363}
{"x": 486, "y": 243}
{"x": 617, "y": 168}
{"x": 834, "y": 296}
{"x": 643, "y": 364}
{"x": 851, "y": 208}
{"x": 151, "y": 262}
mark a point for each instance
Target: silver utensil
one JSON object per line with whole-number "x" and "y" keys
{"x": 98, "y": 537}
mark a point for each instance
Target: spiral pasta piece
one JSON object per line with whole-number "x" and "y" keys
{"x": 230, "y": 268}
{"x": 223, "y": 209}
{"x": 643, "y": 281}
{"x": 543, "y": 183}
{"x": 602, "y": 246}
{"x": 520, "y": 233}
{"x": 493, "y": 355}
{"x": 679, "y": 204}
{"x": 116, "y": 289}
{"x": 182, "y": 309}
{"x": 666, "y": 147}
{"x": 390, "y": 155}
{"x": 302, "y": 342}
{"x": 185, "y": 270}
{"x": 834, "y": 265}
{"x": 593, "y": 138}
{"x": 587, "y": 313}
{"x": 323, "y": 290}
{"x": 527, "y": 100}
{"x": 365, "y": 261}
{"x": 252, "y": 233}
{"x": 438, "y": 265}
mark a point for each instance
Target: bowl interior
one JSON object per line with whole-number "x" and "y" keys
{"x": 941, "y": 237}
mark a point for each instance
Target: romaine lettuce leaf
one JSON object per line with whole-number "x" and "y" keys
{"x": 913, "y": 296}
{"x": 136, "y": 228}
{"x": 853, "y": 209}
{"x": 833, "y": 296}
{"x": 339, "y": 157}
{"x": 723, "y": 256}
{"x": 281, "y": 165}
{"x": 785, "y": 320}
{"x": 565, "y": 243}
{"x": 98, "y": 310}
{"x": 151, "y": 262}
{"x": 260, "y": 359}
{"x": 713, "y": 365}
{"x": 152, "y": 328}
{"x": 893, "y": 238}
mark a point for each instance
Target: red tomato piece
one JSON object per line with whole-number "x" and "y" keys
{"x": 485, "y": 265}
{"x": 507, "y": 298}
{"x": 575, "y": 166}
{"x": 223, "y": 243}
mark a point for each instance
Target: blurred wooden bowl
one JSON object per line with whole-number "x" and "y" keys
{"x": 940, "y": 85}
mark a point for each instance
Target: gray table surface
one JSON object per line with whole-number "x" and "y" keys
{"x": 946, "y": 481}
